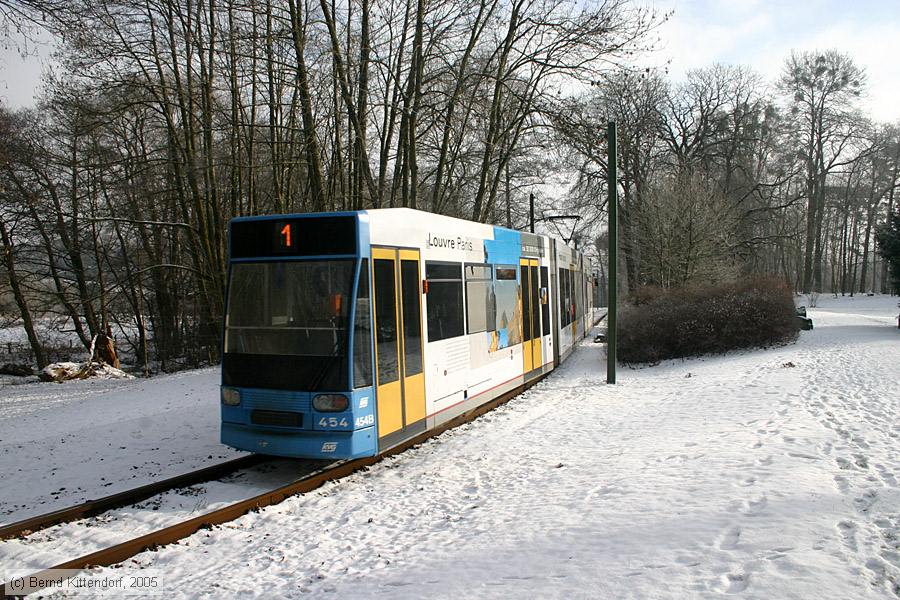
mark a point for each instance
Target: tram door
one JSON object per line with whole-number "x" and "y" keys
{"x": 400, "y": 380}
{"x": 531, "y": 310}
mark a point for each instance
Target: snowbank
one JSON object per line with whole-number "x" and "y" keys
{"x": 66, "y": 371}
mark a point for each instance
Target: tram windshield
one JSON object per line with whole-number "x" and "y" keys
{"x": 292, "y": 309}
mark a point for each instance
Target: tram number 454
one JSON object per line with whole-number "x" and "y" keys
{"x": 334, "y": 422}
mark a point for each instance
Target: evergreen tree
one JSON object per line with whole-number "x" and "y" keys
{"x": 888, "y": 237}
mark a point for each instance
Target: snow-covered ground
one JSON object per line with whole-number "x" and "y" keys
{"x": 766, "y": 474}
{"x": 60, "y": 543}
{"x": 64, "y": 443}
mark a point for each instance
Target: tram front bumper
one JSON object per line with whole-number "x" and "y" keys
{"x": 301, "y": 444}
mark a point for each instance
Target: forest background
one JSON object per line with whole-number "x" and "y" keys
{"x": 163, "y": 119}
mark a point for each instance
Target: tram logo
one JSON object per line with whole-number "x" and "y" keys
{"x": 329, "y": 447}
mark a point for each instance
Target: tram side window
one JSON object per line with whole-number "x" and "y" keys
{"x": 362, "y": 332}
{"x": 480, "y": 301}
{"x": 411, "y": 297}
{"x": 562, "y": 299}
{"x": 386, "y": 318}
{"x": 578, "y": 294}
{"x": 445, "y": 300}
{"x": 535, "y": 303}
{"x": 581, "y": 291}
{"x": 571, "y": 277}
{"x": 586, "y": 301}
{"x": 565, "y": 312}
{"x": 576, "y": 300}
{"x": 545, "y": 302}
{"x": 507, "y": 320}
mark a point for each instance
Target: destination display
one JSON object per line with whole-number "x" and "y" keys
{"x": 317, "y": 236}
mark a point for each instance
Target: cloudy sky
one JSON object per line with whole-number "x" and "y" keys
{"x": 762, "y": 33}
{"x": 759, "y": 33}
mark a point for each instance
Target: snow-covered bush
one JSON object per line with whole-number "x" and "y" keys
{"x": 660, "y": 324}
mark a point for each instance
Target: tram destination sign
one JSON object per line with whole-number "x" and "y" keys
{"x": 532, "y": 245}
{"x": 313, "y": 236}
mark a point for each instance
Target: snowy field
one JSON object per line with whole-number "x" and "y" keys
{"x": 64, "y": 443}
{"x": 764, "y": 474}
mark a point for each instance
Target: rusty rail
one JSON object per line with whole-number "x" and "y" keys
{"x": 120, "y": 499}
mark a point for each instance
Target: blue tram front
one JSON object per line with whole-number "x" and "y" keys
{"x": 297, "y": 341}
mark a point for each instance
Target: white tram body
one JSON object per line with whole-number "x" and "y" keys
{"x": 418, "y": 318}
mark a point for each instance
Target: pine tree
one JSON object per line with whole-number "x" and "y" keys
{"x": 888, "y": 237}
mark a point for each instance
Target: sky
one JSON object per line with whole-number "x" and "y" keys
{"x": 758, "y": 33}
{"x": 762, "y": 33}
{"x": 22, "y": 62}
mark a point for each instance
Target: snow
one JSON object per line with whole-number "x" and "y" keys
{"x": 57, "y": 544}
{"x": 63, "y": 371}
{"x": 60, "y": 341}
{"x": 765, "y": 474}
{"x": 64, "y": 443}
{"x": 51, "y": 331}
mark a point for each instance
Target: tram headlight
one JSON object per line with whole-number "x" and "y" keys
{"x": 231, "y": 396}
{"x": 331, "y": 403}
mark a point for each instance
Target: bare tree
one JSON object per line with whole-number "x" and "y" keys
{"x": 821, "y": 88}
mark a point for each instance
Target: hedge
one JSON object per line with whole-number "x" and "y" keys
{"x": 660, "y": 324}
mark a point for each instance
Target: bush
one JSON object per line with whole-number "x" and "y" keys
{"x": 661, "y": 324}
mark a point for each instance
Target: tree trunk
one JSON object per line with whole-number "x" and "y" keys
{"x": 311, "y": 142}
{"x": 21, "y": 302}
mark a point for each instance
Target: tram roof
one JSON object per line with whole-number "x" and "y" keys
{"x": 381, "y": 214}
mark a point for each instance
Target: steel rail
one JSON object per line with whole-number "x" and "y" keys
{"x": 125, "y": 550}
{"x": 90, "y": 508}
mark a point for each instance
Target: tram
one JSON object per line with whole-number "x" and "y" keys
{"x": 348, "y": 333}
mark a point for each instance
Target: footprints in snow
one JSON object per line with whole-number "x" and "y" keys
{"x": 749, "y": 507}
{"x": 841, "y": 483}
{"x": 865, "y": 427}
{"x": 732, "y": 583}
{"x": 864, "y": 503}
{"x": 847, "y": 531}
{"x": 802, "y": 455}
{"x": 729, "y": 540}
{"x": 737, "y": 577}
{"x": 886, "y": 476}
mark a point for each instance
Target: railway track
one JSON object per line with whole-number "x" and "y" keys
{"x": 100, "y": 505}
{"x": 122, "y": 551}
